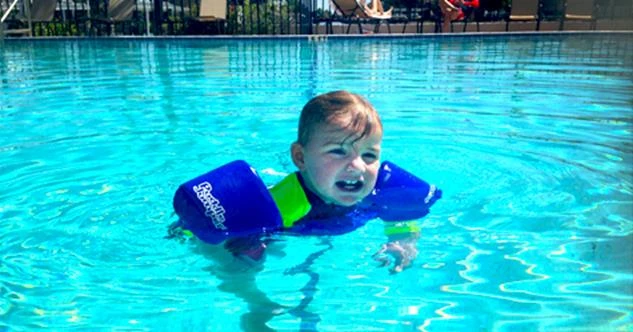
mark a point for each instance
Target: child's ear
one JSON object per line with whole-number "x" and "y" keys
{"x": 296, "y": 152}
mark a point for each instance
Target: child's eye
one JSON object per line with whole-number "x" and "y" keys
{"x": 338, "y": 152}
{"x": 370, "y": 157}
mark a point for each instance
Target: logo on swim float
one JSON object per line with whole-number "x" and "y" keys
{"x": 212, "y": 206}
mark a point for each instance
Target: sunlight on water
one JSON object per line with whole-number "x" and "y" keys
{"x": 529, "y": 137}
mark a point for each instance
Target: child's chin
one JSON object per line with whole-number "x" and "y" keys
{"x": 347, "y": 201}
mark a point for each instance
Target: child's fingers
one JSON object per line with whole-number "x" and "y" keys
{"x": 380, "y": 256}
{"x": 403, "y": 254}
{"x": 411, "y": 250}
{"x": 380, "y": 251}
{"x": 384, "y": 260}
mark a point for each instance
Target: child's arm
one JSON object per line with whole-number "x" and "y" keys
{"x": 402, "y": 238}
{"x": 399, "y": 196}
{"x": 230, "y": 201}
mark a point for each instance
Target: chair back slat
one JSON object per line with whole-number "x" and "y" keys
{"x": 121, "y": 10}
{"x": 580, "y": 7}
{"x": 524, "y": 7}
{"x": 213, "y": 8}
{"x": 43, "y": 10}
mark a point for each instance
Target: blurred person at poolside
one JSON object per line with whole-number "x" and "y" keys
{"x": 375, "y": 6}
{"x": 455, "y": 10}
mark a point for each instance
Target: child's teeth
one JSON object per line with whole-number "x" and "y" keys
{"x": 349, "y": 184}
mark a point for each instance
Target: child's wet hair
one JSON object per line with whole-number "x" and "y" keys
{"x": 327, "y": 107}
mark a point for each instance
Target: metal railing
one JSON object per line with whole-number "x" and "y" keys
{"x": 244, "y": 17}
{"x": 8, "y": 11}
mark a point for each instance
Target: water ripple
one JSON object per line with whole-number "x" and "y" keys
{"x": 529, "y": 138}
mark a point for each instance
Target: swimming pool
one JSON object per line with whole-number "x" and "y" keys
{"x": 529, "y": 136}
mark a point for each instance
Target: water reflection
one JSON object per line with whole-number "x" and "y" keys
{"x": 528, "y": 136}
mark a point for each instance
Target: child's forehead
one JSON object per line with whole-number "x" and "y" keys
{"x": 340, "y": 132}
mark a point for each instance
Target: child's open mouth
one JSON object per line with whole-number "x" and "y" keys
{"x": 350, "y": 185}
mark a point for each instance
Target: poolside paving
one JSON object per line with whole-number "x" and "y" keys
{"x": 497, "y": 26}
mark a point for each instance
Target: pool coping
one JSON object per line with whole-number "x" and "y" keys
{"x": 317, "y": 37}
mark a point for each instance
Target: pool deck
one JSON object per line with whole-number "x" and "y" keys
{"x": 495, "y": 27}
{"x": 402, "y": 30}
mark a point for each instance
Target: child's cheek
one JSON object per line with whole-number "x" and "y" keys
{"x": 374, "y": 170}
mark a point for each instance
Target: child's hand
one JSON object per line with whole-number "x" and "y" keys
{"x": 403, "y": 249}
{"x": 176, "y": 231}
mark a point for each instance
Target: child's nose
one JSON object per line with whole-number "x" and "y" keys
{"x": 356, "y": 165}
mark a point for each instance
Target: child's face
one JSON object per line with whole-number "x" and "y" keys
{"x": 337, "y": 166}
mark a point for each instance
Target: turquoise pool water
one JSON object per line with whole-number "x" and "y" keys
{"x": 529, "y": 136}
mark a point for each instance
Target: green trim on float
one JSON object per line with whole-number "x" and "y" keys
{"x": 291, "y": 200}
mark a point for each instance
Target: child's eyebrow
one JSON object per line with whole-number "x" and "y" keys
{"x": 337, "y": 142}
{"x": 373, "y": 148}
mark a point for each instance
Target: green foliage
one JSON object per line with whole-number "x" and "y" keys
{"x": 49, "y": 29}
